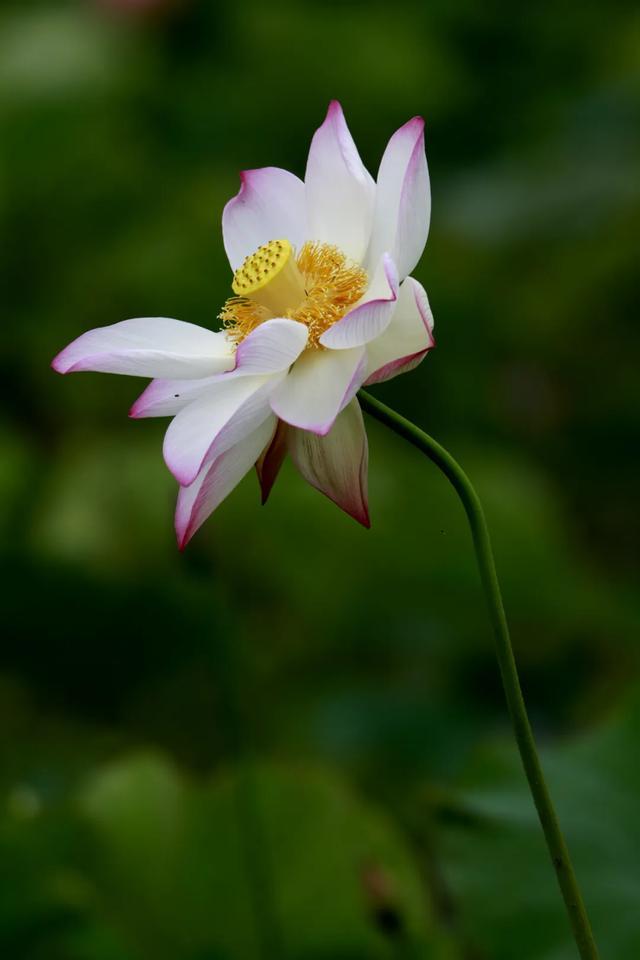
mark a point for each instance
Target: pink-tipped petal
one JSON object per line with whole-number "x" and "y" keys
{"x": 204, "y": 429}
{"x": 270, "y": 205}
{"x": 337, "y": 464}
{"x": 149, "y": 347}
{"x": 403, "y": 199}
{"x": 271, "y": 459}
{"x": 216, "y": 480}
{"x": 370, "y": 318}
{"x": 318, "y": 386}
{"x": 339, "y": 189}
{"x": 396, "y": 367}
{"x": 406, "y": 340}
{"x": 270, "y": 348}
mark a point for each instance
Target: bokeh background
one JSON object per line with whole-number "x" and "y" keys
{"x": 291, "y": 741}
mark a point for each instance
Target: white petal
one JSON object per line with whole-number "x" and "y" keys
{"x": 318, "y": 386}
{"x": 336, "y": 464}
{"x": 271, "y": 347}
{"x": 407, "y": 338}
{"x": 403, "y": 199}
{"x": 149, "y": 347}
{"x": 339, "y": 189}
{"x": 216, "y": 480}
{"x": 204, "y": 429}
{"x": 166, "y": 398}
{"x": 269, "y": 206}
{"x": 371, "y": 316}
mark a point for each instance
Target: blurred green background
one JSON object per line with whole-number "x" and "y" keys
{"x": 291, "y": 741}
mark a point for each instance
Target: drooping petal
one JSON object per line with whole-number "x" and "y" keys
{"x": 318, "y": 386}
{"x": 149, "y": 347}
{"x": 403, "y": 200}
{"x": 371, "y": 316}
{"x": 216, "y": 480}
{"x": 204, "y": 429}
{"x": 270, "y": 205}
{"x": 339, "y": 189}
{"x": 406, "y": 340}
{"x": 271, "y": 459}
{"x": 337, "y": 463}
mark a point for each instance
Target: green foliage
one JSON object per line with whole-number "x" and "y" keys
{"x": 144, "y": 863}
{"x": 172, "y": 868}
{"x": 356, "y": 666}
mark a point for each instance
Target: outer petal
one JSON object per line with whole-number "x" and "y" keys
{"x": 407, "y": 338}
{"x": 271, "y": 348}
{"x": 372, "y": 316}
{"x": 216, "y": 480}
{"x": 318, "y": 387}
{"x": 337, "y": 464}
{"x": 149, "y": 347}
{"x": 203, "y": 430}
{"x": 339, "y": 189}
{"x": 403, "y": 199}
{"x": 166, "y": 398}
{"x": 269, "y": 206}
{"x": 271, "y": 459}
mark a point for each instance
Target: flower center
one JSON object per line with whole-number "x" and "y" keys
{"x": 270, "y": 276}
{"x": 316, "y": 288}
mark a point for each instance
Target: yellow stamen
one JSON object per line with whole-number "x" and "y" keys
{"x": 332, "y": 285}
{"x": 317, "y": 289}
{"x": 240, "y": 316}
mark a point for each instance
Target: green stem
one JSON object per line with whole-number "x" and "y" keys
{"x": 556, "y": 843}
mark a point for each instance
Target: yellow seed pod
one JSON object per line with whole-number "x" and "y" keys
{"x": 271, "y": 277}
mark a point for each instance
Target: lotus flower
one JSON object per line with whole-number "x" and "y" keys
{"x": 323, "y": 303}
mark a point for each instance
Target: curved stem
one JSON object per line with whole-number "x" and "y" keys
{"x": 522, "y": 728}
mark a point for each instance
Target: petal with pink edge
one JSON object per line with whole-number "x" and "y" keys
{"x": 318, "y": 386}
{"x": 372, "y": 316}
{"x": 403, "y": 199}
{"x": 204, "y": 429}
{"x": 406, "y": 340}
{"x": 270, "y": 205}
{"x": 270, "y": 348}
{"x": 337, "y": 464}
{"x": 271, "y": 459}
{"x": 216, "y": 480}
{"x": 339, "y": 189}
{"x": 149, "y": 347}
